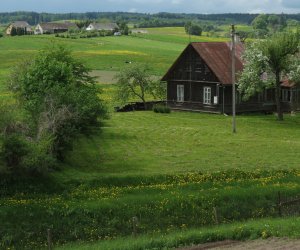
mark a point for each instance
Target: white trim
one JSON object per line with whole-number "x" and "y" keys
{"x": 180, "y": 93}
{"x": 207, "y": 95}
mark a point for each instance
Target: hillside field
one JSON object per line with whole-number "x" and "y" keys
{"x": 171, "y": 172}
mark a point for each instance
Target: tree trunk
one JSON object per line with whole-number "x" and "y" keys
{"x": 278, "y": 97}
{"x": 145, "y": 103}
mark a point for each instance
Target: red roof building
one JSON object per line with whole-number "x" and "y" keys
{"x": 201, "y": 80}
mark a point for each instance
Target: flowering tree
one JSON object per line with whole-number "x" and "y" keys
{"x": 266, "y": 61}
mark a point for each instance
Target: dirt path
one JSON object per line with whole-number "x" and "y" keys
{"x": 269, "y": 244}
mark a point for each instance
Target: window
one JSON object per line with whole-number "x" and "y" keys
{"x": 207, "y": 95}
{"x": 180, "y": 93}
{"x": 285, "y": 95}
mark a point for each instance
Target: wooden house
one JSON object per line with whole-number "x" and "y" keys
{"x": 19, "y": 28}
{"x": 201, "y": 80}
{"x": 53, "y": 28}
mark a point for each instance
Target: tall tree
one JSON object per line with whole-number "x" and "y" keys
{"x": 266, "y": 62}
{"x": 136, "y": 81}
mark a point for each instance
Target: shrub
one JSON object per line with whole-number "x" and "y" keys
{"x": 60, "y": 100}
{"x": 14, "y": 148}
{"x": 159, "y": 108}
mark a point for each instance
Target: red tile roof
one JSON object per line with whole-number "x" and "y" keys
{"x": 218, "y": 58}
{"x": 217, "y": 55}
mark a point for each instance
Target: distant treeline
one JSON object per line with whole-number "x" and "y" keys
{"x": 139, "y": 19}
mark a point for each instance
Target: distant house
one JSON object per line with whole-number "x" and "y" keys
{"x": 19, "y": 28}
{"x": 53, "y": 28}
{"x": 103, "y": 26}
{"x": 200, "y": 80}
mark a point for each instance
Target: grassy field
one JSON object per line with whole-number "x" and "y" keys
{"x": 143, "y": 143}
{"x": 168, "y": 170}
{"x": 238, "y": 231}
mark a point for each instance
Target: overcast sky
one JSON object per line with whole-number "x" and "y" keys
{"x": 154, "y": 6}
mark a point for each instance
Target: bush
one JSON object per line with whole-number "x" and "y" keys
{"x": 14, "y": 148}
{"x": 159, "y": 108}
{"x": 26, "y": 156}
{"x": 60, "y": 100}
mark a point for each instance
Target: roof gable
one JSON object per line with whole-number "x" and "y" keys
{"x": 217, "y": 56}
{"x": 57, "y": 26}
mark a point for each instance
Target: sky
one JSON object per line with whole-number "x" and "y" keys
{"x": 153, "y": 6}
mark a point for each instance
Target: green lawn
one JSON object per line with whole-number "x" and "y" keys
{"x": 145, "y": 143}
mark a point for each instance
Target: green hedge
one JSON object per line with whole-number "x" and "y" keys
{"x": 160, "y": 108}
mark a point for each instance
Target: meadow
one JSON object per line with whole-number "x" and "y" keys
{"x": 170, "y": 171}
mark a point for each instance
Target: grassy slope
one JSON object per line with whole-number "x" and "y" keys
{"x": 159, "y": 48}
{"x": 145, "y": 143}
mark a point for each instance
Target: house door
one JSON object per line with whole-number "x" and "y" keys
{"x": 180, "y": 93}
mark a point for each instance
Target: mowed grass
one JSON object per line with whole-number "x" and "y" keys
{"x": 145, "y": 143}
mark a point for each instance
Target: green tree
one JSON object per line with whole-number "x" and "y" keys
{"x": 136, "y": 81}
{"x": 59, "y": 96}
{"x": 123, "y": 28}
{"x": 187, "y": 27}
{"x": 13, "y": 31}
{"x": 193, "y": 29}
{"x": 267, "y": 61}
{"x": 260, "y": 22}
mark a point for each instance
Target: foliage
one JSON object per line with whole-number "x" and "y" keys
{"x": 160, "y": 108}
{"x": 265, "y": 23}
{"x": 85, "y": 34}
{"x": 60, "y": 100}
{"x": 123, "y": 28}
{"x": 136, "y": 80}
{"x": 158, "y": 90}
{"x": 13, "y": 150}
{"x": 158, "y": 19}
{"x": 294, "y": 72}
{"x": 193, "y": 29}
{"x": 266, "y": 61}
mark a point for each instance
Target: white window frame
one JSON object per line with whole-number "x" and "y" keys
{"x": 207, "y": 95}
{"x": 180, "y": 93}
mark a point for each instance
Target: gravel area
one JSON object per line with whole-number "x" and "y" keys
{"x": 268, "y": 244}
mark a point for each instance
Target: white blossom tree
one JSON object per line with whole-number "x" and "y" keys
{"x": 266, "y": 62}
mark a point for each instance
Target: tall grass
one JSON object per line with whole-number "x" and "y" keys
{"x": 104, "y": 209}
{"x": 250, "y": 230}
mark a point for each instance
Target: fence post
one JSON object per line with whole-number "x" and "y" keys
{"x": 279, "y": 205}
{"x": 49, "y": 239}
{"x": 134, "y": 225}
{"x": 215, "y": 211}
